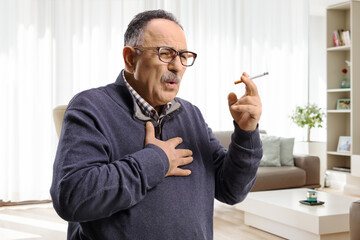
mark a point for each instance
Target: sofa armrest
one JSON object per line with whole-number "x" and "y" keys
{"x": 311, "y": 165}
{"x": 355, "y": 220}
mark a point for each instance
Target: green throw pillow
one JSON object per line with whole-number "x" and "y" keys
{"x": 271, "y": 151}
{"x": 286, "y": 151}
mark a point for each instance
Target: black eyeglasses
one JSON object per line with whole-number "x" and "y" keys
{"x": 168, "y": 55}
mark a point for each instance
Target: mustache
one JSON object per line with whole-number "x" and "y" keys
{"x": 170, "y": 76}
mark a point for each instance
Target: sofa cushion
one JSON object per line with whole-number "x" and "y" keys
{"x": 269, "y": 178}
{"x": 271, "y": 151}
{"x": 286, "y": 151}
{"x": 224, "y": 137}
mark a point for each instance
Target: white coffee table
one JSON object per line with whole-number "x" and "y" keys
{"x": 279, "y": 212}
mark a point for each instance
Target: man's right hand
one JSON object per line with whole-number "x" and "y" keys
{"x": 177, "y": 157}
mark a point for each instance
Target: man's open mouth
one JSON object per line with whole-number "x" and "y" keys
{"x": 171, "y": 82}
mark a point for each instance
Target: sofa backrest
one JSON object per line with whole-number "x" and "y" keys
{"x": 225, "y": 137}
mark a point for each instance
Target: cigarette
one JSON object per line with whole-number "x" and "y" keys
{"x": 257, "y": 76}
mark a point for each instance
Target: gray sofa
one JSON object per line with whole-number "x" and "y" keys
{"x": 305, "y": 173}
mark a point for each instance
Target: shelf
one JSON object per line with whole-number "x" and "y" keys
{"x": 340, "y": 6}
{"x": 339, "y": 90}
{"x": 345, "y": 122}
{"x": 346, "y": 173}
{"x": 339, "y": 111}
{"x": 340, "y": 48}
{"x": 338, "y": 153}
{"x": 342, "y": 169}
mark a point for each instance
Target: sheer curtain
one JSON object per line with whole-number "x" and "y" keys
{"x": 50, "y": 50}
{"x": 26, "y": 73}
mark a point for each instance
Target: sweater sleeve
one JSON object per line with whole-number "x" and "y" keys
{"x": 236, "y": 168}
{"x": 85, "y": 178}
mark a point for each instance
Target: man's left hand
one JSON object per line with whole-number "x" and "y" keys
{"x": 246, "y": 111}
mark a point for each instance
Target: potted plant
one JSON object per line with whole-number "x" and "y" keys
{"x": 310, "y": 116}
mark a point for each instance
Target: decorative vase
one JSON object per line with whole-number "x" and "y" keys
{"x": 345, "y": 82}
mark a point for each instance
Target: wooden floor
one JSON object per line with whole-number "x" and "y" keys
{"x": 40, "y": 222}
{"x": 229, "y": 225}
{"x": 30, "y": 222}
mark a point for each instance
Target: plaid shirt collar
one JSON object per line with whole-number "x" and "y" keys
{"x": 145, "y": 107}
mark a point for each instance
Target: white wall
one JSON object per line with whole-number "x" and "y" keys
{"x": 317, "y": 69}
{"x": 317, "y": 58}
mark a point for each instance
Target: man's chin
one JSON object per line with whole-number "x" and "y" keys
{"x": 168, "y": 98}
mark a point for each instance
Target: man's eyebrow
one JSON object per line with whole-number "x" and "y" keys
{"x": 180, "y": 50}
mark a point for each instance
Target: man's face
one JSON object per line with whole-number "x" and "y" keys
{"x": 149, "y": 70}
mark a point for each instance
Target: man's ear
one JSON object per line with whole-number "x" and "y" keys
{"x": 129, "y": 55}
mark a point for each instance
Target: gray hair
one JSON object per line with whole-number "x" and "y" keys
{"x": 134, "y": 33}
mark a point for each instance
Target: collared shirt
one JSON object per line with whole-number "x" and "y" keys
{"x": 145, "y": 107}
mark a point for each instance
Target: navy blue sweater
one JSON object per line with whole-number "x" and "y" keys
{"x": 107, "y": 185}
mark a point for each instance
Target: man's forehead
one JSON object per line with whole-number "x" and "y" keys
{"x": 163, "y": 31}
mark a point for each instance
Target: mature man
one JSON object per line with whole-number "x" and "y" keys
{"x": 136, "y": 162}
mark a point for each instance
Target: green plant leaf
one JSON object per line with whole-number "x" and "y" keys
{"x": 309, "y": 115}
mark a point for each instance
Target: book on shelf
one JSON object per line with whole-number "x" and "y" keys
{"x": 341, "y": 37}
{"x": 341, "y": 169}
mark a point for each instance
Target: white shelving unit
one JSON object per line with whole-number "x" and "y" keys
{"x": 343, "y": 122}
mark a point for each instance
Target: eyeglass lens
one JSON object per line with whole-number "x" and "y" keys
{"x": 167, "y": 55}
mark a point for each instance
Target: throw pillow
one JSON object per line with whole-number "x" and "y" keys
{"x": 271, "y": 151}
{"x": 286, "y": 151}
